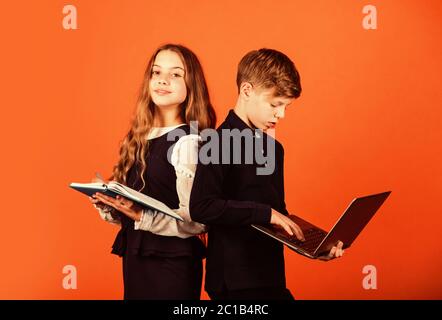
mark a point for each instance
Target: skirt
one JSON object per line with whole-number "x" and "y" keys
{"x": 162, "y": 278}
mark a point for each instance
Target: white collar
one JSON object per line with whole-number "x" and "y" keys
{"x": 156, "y": 132}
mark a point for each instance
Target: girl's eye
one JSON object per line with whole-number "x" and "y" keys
{"x": 155, "y": 72}
{"x": 176, "y": 75}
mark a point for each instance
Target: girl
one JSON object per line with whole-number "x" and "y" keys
{"x": 162, "y": 257}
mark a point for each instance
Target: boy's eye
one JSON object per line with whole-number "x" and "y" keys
{"x": 273, "y": 105}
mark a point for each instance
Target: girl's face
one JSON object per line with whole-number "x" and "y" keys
{"x": 167, "y": 86}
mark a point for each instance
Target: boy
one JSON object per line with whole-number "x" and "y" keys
{"x": 243, "y": 263}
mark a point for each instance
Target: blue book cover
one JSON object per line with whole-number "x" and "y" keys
{"x": 113, "y": 188}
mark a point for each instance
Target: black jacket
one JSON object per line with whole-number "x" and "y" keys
{"x": 160, "y": 180}
{"x": 229, "y": 198}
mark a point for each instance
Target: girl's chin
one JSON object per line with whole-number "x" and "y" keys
{"x": 167, "y": 105}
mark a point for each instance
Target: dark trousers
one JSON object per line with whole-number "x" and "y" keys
{"x": 264, "y": 293}
{"x": 162, "y": 278}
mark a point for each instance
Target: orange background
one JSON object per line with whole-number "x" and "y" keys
{"x": 367, "y": 121}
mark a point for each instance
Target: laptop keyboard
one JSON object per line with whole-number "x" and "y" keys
{"x": 313, "y": 238}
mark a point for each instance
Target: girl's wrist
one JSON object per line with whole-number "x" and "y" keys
{"x": 138, "y": 215}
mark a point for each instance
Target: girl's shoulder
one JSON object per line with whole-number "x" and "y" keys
{"x": 165, "y": 132}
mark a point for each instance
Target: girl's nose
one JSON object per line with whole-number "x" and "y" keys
{"x": 162, "y": 81}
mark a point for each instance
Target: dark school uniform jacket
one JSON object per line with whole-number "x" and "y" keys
{"x": 160, "y": 180}
{"x": 229, "y": 198}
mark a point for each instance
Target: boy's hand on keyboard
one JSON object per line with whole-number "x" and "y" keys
{"x": 335, "y": 252}
{"x": 287, "y": 224}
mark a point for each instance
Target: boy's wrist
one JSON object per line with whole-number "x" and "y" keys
{"x": 263, "y": 214}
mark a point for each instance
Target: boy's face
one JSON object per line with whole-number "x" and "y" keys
{"x": 264, "y": 110}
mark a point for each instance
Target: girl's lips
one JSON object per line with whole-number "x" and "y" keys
{"x": 162, "y": 92}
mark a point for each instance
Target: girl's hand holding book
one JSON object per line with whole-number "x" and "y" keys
{"x": 97, "y": 203}
{"x": 125, "y": 206}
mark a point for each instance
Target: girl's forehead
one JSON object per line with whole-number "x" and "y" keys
{"x": 168, "y": 59}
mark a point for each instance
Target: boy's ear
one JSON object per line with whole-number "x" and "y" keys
{"x": 245, "y": 89}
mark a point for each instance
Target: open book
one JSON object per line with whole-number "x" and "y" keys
{"x": 113, "y": 188}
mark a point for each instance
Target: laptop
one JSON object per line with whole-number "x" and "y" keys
{"x": 319, "y": 242}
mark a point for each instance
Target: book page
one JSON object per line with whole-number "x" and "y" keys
{"x": 138, "y": 196}
{"x": 122, "y": 189}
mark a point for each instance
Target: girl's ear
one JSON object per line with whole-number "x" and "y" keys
{"x": 245, "y": 89}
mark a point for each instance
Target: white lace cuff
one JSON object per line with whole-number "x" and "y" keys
{"x": 146, "y": 220}
{"x": 106, "y": 215}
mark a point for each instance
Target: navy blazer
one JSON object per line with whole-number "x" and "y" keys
{"x": 229, "y": 198}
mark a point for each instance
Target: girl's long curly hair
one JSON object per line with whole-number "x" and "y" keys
{"x": 196, "y": 107}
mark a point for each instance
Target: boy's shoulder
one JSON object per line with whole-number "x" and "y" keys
{"x": 226, "y": 125}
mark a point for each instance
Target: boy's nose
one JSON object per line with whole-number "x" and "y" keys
{"x": 280, "y": 113}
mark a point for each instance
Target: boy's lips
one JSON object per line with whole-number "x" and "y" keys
{"x": 271, "y": 125}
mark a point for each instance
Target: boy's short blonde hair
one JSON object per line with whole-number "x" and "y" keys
{"x": 268, "y": 68}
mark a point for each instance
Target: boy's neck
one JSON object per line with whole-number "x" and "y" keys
{"x": 240, "y": 111}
